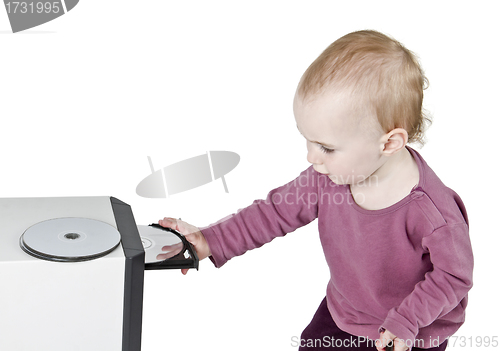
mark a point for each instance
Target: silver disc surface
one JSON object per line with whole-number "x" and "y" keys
{"x": 159, "y": 244}
{"x": 70, "y": 239}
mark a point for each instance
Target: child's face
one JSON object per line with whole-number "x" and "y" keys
{"x": 342, "y": 142}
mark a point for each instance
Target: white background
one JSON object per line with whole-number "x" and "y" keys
{"x": 85, "y": 99}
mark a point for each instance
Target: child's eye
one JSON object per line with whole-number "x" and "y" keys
{"x": 326, "y": 150}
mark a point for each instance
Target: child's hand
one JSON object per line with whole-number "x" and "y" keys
{"x": 192, "y": 234}
{"x": 385, "y": 339}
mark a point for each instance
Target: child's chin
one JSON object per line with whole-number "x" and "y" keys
{"x": 337, "y": 180}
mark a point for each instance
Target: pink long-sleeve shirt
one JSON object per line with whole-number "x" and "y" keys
{"x": 406, "y": 268}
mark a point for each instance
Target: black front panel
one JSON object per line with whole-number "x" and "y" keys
{"x": 134, "y": 275}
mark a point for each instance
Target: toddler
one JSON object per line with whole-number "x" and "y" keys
{"x": 394, "y": 236}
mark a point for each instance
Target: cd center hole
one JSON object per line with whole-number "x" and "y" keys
{"x": 71, "y": 236}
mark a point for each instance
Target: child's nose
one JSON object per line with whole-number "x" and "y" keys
{"x": 313, "y": 157}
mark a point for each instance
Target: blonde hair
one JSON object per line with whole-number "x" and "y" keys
{"x": 381, "y": 72}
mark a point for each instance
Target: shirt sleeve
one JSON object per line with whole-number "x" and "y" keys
{"x": 442, "y": 290}
{"x": 285, "y": 209}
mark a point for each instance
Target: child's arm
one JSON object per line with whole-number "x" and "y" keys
{"x": 285, "y": 209}
{"x": 192, "y": 234}
{"x": 443, "y": 289}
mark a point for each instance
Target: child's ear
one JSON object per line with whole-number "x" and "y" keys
{"x": 394, "y": 141}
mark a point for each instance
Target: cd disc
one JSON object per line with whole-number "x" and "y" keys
{"x": 70, "y": 239}
{"x": 159, "y": 244}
